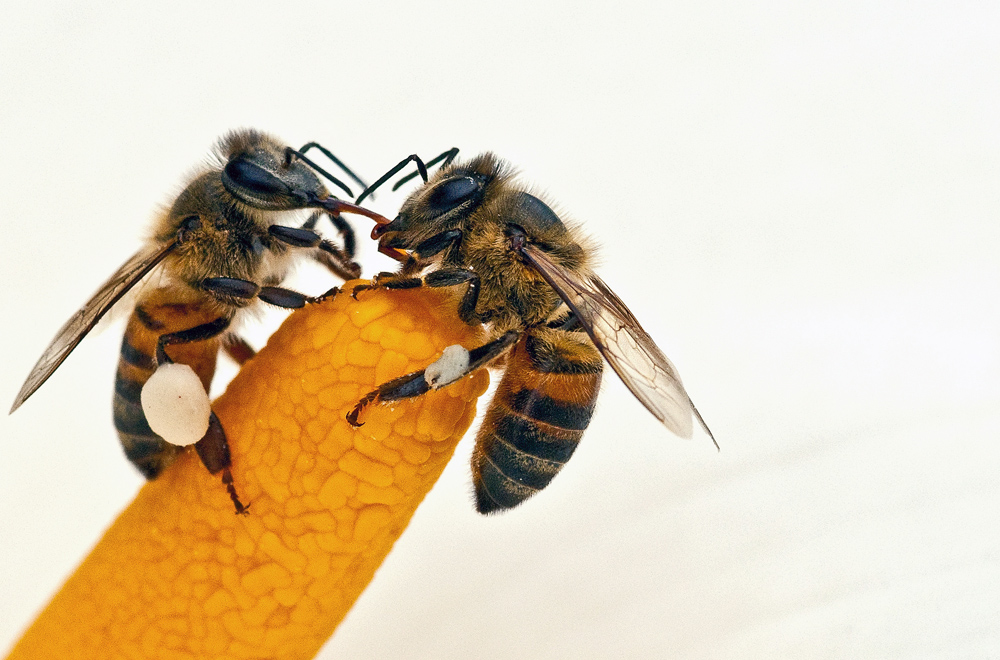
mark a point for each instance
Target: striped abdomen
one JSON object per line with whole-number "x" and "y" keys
{"x": 156, "y": 315}
{"x": 536, "y": 419}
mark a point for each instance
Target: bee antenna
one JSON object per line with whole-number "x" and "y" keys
{"x": 447, "y": 157}
{"x": 421, "y": 170}
{"x": 289, "y": 152}
{"x": 326, "y": 152}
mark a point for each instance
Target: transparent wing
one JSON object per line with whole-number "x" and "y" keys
{"x": 629, "y": 350}
{"x": 77, "y": 327}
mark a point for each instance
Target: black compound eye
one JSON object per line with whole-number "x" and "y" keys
{"x": 536, "y": 213}
{"x": 450, "y": 194}
{"x": 253, "y": 177}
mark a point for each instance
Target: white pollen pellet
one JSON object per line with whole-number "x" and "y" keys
{"x": 176, "y": 404}
{"x": 452, "y": 365}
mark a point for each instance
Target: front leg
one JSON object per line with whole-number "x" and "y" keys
{"x": 324, "y": 252}
{"x": 416, "y": 258}
{"x": 345, "y": 230}
{"x": 454, "y": 364}
{"x": 228, "y": 289}
{"x": 436, "y": 279}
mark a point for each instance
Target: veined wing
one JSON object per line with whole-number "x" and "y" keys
{"x": 629, "y": 350}
{"x": 77, "y": 327}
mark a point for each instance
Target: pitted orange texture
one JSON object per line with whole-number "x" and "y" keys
{"x": 180, "y": 575}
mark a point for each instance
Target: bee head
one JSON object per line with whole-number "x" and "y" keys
{"x": 447, "y": 201}
{"x": 261, "y": 173}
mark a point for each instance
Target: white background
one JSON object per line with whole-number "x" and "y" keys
{"x": 799, "y": 201}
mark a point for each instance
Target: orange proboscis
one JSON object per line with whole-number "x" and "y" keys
{"x": 180, "y": 575}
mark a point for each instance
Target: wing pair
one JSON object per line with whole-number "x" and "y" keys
{"x": 78, "y": 325}
{"x": 629, "y": 350}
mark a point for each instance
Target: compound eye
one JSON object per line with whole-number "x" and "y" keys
{"x": 254, "y": 178}
{"x": 450, "y": 194}
{"x": 536, "y": 213}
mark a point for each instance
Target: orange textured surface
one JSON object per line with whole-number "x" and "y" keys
{"x": 180, "y": 575}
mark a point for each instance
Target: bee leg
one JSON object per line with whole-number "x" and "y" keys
{"x": 338, "y": 264}
{"x": 455, "y": 276}
{"x": 310, "y": 222}
{"x": 213, "y": 448}
{"x": 238, "y": 349}
{"x": 409, "y": 267}
{"x": 232, "y": 287}
{"x": 418, "y": 383}
{"x": 388, "y": 281}
{"x": 197, "y": 333}
{"x": 405, "y": 387}
{"x": 436, "y": 279}
{"x": 328, "y": 254}
{"x": 346, "y": 230}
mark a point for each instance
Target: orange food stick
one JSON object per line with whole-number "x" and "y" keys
{"x": 180, "y": 575}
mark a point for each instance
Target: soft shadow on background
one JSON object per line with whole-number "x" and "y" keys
{"x": 800, "y": 203}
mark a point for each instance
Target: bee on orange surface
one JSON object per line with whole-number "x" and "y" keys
{"x": 216, "y": 251}
{"x": 551, "y": 323}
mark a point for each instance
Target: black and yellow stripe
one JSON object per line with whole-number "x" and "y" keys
{"x": 156, "y": 316}
{"x": 541, "y": 408}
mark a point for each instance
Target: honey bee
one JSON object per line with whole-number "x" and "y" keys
{"x": 549, "y": 321}
{"x": 218, "y": 249}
